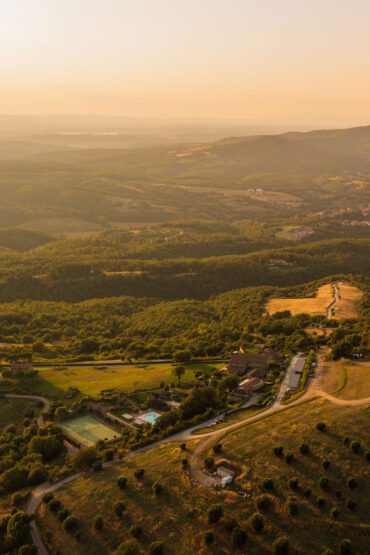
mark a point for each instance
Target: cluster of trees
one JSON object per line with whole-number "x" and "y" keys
{"x": 15, "y": 534}
{"x": 26, "y": 454}
{"x": 75, "y": 278}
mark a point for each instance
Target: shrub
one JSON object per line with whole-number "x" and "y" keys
{"x": 321, "y": 502}
{"x": 156, "y": 548}
{"x": 278, "y": 451}
{"x": 217, "y": 448}
{"x": 281, "y": 546}
{"x": 157, "y": 488}
{"x": 307, "y": 492}
{"x": 128, "y": 547}
{"x": 139, "y": 473}
{"x": 304, "y": 449}
{"x": 325, "y": 464}
{"x": 119, "y": 508}
{"x": 209, "y": 538}
{"x": 351, "y": 504}
{"x": 183, "y": 446}
{"x": 215, "y": 513}
{"x": 324, "y": 483}
{"x": 293, "y": 483}
{"x": 97, "y": 466}
{"x": 98, "y": 522}
{"x": 184, "y": 463}
{"x": 352, "y": 483}
{"x": 356, "y": 446}
{"x": 230, "y": 525}
{"x": 70, "y": 523}
{"x": 257, "y": 522}
{"x": 267, "y": 484}
{"x": 63, "y": 514}
{"x": 47, "y": 497}
{"x": 263, "y": 502}
{"x": 367, "y": 455}
{"x": 321, "y": 426}
{"x": 346, "y": 441}
{"x": 289, "y": 458}
{"x": 239, "y": 537}
{"x": 345, "y": 548}
{"x": 122, "y": 482}
{"x": 334, "y": 513}
{"x": 18, "y": 499}
{"x": 292, "y": 506}
{"x": 37, "y": 475}
{"x": 54, "y": 505}
{"x": 338, "y": 494}
{"x": 209, "y": 463}
{"x": 136, "y": 531}
{"x": 109, "y": 455}
{"x": 27, "y": 550}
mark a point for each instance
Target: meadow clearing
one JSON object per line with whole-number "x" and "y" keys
{"x": 347, "y": 306}
{"x": 90, "y": 380}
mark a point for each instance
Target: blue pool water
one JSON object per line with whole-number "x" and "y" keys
{"x": 150, "y": 417}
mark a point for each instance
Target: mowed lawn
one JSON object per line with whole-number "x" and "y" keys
{"x": 347, "y": 379}
{"x": 91, "y": 381}
{"x": 13, "y": 411}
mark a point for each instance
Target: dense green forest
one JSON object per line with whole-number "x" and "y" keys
{"x": 139, "y": 328}
{"x": 40, "y": 275}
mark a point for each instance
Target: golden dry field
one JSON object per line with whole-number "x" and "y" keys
{"x": 349, "y": 297}
{"x": 347, "y": 379}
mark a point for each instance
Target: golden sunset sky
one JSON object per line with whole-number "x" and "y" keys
{"x": 256, "y": 59}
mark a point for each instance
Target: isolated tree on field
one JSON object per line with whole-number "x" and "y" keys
{"x": 179, "y": 371}
{"x": 128, "y": 547}
{"x": 281, "y": 546}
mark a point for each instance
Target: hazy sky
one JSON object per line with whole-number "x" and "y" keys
{"x": 259, "y": 59}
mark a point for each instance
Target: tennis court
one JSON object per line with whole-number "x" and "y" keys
{"x": 87, "y": 430}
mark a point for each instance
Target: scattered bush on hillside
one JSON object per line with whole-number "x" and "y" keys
{"x": 209, "y": 538}
{"x": 239, "y": 537}
{"x": 281, "y": 546}
{"x": 215, "y": 513}
{"x": 257, "y": 522}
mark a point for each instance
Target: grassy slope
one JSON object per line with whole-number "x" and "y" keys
{"x": 179, "y": 516}
{"x": 347, "y": 379}
{"x": 90, "y": 381}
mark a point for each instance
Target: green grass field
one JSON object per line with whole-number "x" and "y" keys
{"x": 178, "y": 517}
{"x": 90, "y": 380}
{"x": 87, "y": 430}
{"x": 13, "y": 411}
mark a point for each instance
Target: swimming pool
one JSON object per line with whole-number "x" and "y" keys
{"x": 151, "y": 417}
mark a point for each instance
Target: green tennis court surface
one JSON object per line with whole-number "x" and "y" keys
{"x": 87, "y": 430}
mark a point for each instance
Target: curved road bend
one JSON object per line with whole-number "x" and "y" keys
{"x": 43, "y": 400}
